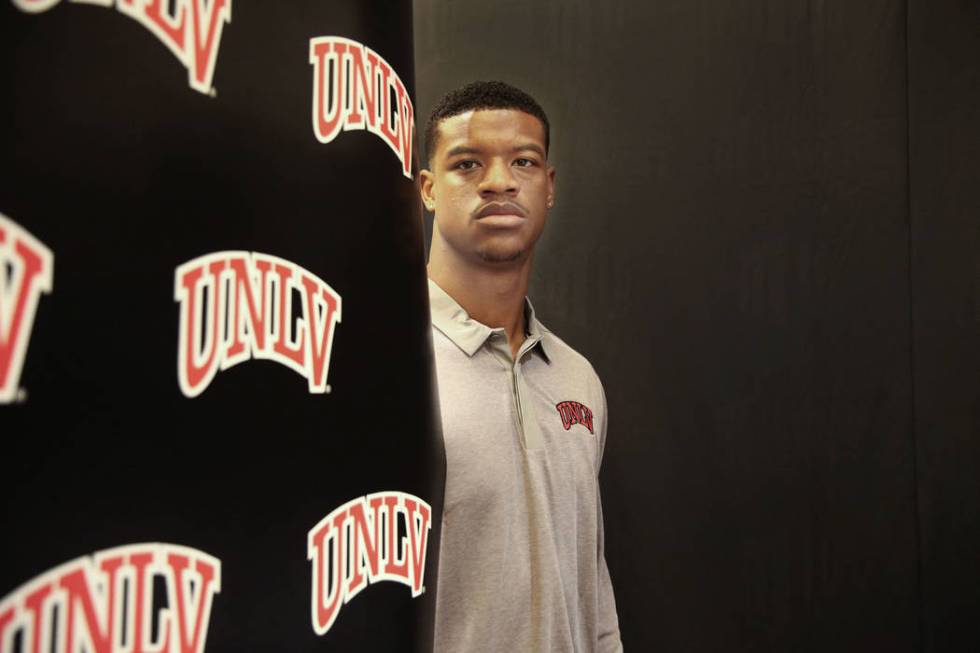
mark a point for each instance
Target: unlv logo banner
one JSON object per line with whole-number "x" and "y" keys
{"x": 191, "y": 29}
{"x": 106, "y": 603}
{"x": 362, "y": 543}
{"x": 188, "y": 379}
{"x": 239, "y": 305}
{"x": 365, "y": 93}
{"x": 26, "y": 271}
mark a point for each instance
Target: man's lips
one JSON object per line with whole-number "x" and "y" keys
{"x": 500, "y": 208}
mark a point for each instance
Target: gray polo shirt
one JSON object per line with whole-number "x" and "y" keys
{"x": 521, "y": 564}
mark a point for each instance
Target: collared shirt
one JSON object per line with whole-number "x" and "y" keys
{"x": 521, "y": 565}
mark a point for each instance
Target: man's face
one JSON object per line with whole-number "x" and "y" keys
{"x": 490, "y": 185}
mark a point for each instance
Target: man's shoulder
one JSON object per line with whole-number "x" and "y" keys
{"x": 575, "y": 374}
{"x": 565, "y": 356}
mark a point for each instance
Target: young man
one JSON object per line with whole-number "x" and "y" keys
{"x": 524, "y": 416}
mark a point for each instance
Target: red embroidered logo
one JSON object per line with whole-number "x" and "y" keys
{"x": 26, "y": 272}
{"x": 137, "y": 598}
{"x": 572, "y": 412}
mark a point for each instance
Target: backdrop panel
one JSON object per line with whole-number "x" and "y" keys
{"x": 214, "y": 280}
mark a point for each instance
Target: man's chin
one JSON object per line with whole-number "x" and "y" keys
{"x": 501, "y": 256}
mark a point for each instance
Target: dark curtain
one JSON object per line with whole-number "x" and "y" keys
{"x": 766, "y": 242}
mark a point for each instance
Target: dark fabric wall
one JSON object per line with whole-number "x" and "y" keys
{"x": 731, "y": 250}
{"x": 944, "y": 97}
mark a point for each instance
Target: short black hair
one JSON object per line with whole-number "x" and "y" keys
{"x": 482, "y": 95}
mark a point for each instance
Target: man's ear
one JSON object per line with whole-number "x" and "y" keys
{"x": 551, "y": 186}
{"x": 426, "y": 182}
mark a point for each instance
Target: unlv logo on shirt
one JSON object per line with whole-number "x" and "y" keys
{"x": 573, "y": 412}
{"x": 361, "y": 543}
{"x": 192, "y": 31}
{"x": 239, "y": 305}
{"x": 26, "y": 271}
{"x": 360, "y": 96}
{"x": 104, "y": 603}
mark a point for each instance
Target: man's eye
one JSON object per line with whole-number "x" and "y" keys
{"x": 465, "y": 165}
{"x": 523, "y": 163}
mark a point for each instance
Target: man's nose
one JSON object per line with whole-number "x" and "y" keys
{"x": 498, "y": 180}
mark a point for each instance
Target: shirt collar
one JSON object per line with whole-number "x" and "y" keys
{"x": 468, "y": 334}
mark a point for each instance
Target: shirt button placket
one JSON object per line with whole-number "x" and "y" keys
{"x": 531, "y": 431}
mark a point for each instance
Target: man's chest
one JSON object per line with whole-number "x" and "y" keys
{"x": 517, "y": 436}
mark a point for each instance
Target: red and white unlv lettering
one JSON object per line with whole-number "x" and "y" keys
{"x": 364, "y": 86}
{"x": 573, "y": 412}
{"x": 26, "y": 271}
{"x": 239, "y": 305}
{"x": 191, "y": 30}
{"x": 104, "y": 603}
{"x": 359, "y": 543}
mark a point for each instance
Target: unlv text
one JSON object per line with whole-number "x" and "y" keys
{"x": 239, "y": 305}
{"x": 191, "y": 29}
{"x": 105, "y": 603}
{"x": 361, "y": 543}
{"x": 366, "y": 94}
{"x": 26, "y": 271}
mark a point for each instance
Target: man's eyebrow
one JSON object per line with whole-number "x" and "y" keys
{"x": 465, "y": 149}
{"x": 533, "y": 147}
{"x": 461, "y": 149}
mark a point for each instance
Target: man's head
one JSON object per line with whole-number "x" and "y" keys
{"x": 482, "y": 95}
{"x": 488, "y": 182}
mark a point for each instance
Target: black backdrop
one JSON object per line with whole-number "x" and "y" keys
{"x": 125, "y": 172}
{"x": 944, "y": 193}
{"x": 766, "y": 240}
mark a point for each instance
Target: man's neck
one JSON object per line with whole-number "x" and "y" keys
{"x": 491, "y": 294}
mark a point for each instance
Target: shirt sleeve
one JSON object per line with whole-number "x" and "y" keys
{"x": 607, "y": 626}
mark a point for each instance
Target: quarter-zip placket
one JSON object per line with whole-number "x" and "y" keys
{"x": 527, "y": 422}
